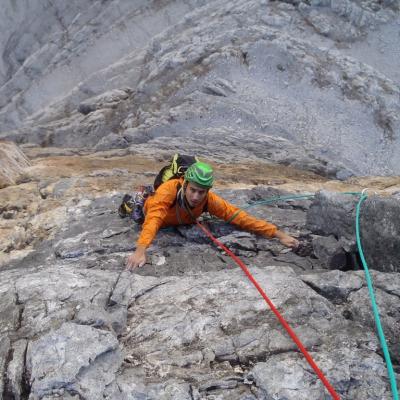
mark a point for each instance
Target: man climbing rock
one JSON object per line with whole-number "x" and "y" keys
{"x": 181, "y": 201}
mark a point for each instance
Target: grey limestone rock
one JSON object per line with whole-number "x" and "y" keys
{"x": 97, "y": 317}
{"x": 295, "y": 378}
{"x": 330, "y": 252}
{"x": 85, "y": 108}
{"x": 210, "y": 75}
{"x": 188, "y": 325}
{"x": 16, "y": 370}
{"x": 380, "y": 217}
{"x": 236, "y": 80}
{"x": 135, "y": 136}
{"x": 74, "y": 357}
{"x": 335, "y": 214}
{"x": 106, "y": 100}
{"x": 9, "y": 310}
{"x": 359, "y": 309}
{"x": 4, "y": 350}
{"x": 335, "y": 285}
{"x": 111, "y": 141}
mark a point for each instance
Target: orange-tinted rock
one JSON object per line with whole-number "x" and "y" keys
{"x": 12, "y": 163}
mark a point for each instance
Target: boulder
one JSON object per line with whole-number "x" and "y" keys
{"x": 335, "y": 214}
{"x": 111, "y": 141}
{"x": 330, "y": 252}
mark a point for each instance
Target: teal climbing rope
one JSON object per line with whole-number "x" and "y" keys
{"x": 379, "y": 328}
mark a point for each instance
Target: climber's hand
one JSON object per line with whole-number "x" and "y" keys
{"x": 287, "y": 240}
{"x": 137, "y": 259}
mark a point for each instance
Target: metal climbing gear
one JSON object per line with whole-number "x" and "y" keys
{"x": 132, "y": 206}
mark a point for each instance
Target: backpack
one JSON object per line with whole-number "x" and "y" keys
{"x": 176, "y": 169}
{"x": 132, "y": 206}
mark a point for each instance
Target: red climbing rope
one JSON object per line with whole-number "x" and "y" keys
{"x": 289, "y": 330}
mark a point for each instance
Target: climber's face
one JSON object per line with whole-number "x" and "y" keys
{"x": 195, "y": 194}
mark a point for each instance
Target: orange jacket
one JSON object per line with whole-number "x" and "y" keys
{"x": 161, "y": 212}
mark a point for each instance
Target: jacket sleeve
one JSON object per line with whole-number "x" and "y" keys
{"x": 223, "y": 209}
{"x": 157, "y": 207}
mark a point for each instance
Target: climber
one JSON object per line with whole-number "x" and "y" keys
{"x": 181, "y": 201}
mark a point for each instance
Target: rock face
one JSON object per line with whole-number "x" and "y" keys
{"x": 12, "y": 163}
{"x": 188, "y": 325}
{"x": 330, "y": 252}
{"x": 218, "y": 73}
{"x": 71, "y": 42}
{"x": 303, "y": 85}
{"x": 335, "y": 214}
{"x": 97, "y": 354}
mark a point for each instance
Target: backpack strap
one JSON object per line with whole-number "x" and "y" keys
{"x": 159, "y": 178}
{"x": 178, "y": 194}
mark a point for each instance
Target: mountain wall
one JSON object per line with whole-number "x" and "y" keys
{"x": 282, "y": 98}
{"x": 314, "y": 84}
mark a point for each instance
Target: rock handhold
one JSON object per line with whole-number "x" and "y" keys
{"x": 330, "y": 252}
{"x": 335, "y": 214}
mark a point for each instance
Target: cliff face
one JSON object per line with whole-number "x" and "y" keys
{"x": 189, "y": 325}
{"x": 314, "y": 85}
{"x": 281, "y": 98}
{"x": 62, "y": 44}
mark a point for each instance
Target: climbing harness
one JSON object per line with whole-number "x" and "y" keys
{"x": 132, "y": 206}
{"x": 287, "y": 327}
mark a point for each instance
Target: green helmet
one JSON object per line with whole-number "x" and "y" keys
{"x": 201, "y": 174}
